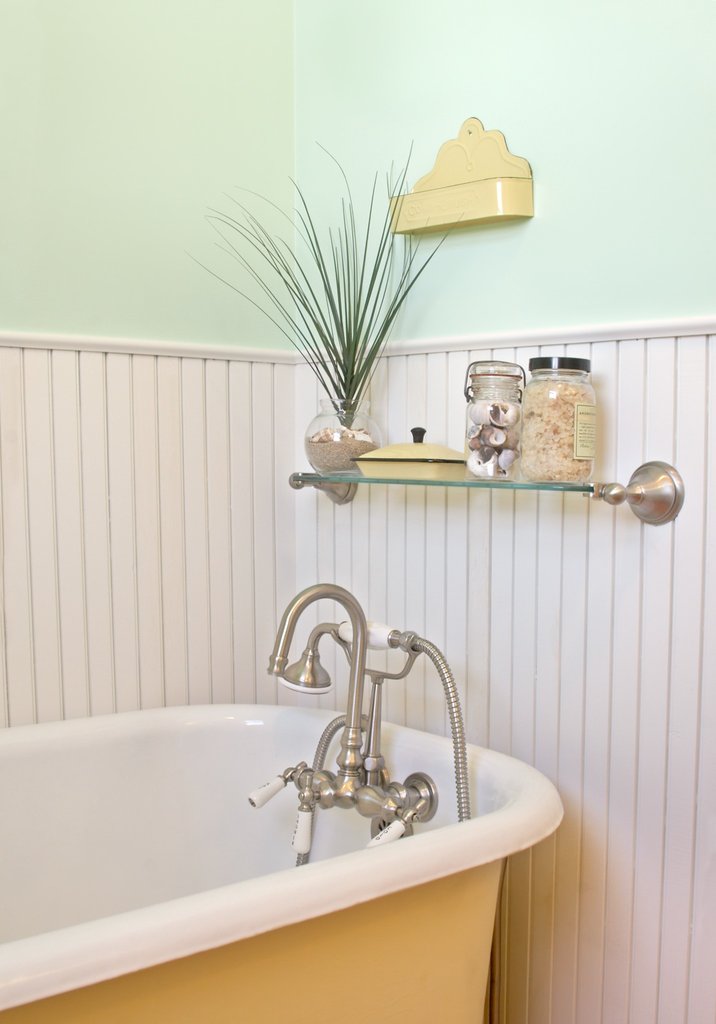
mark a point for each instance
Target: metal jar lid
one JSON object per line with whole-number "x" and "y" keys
{"x": 559, "y": 363}
{"x": 482, "y": 368}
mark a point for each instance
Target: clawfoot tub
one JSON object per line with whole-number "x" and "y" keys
{"x": 137, "y": 884}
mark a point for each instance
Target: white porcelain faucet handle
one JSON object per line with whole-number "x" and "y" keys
{"x": 378, "y": 635}
{"x": 391, "y": 832}
{"x": 301, "y": 841}
{"x": 263, "y": 794}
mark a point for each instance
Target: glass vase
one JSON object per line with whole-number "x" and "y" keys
{"x": 340, "y": 433}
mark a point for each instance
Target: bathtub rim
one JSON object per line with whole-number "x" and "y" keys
{"x": 84, "y": 954}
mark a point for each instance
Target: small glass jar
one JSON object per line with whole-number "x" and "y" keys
{"x": 492, "y": 435}
{"x": 559, "y": 426}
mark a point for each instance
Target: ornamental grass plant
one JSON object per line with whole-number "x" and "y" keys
{"x": 333, "y": 292}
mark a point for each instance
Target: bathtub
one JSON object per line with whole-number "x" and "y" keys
{"x": 137, "y": 883}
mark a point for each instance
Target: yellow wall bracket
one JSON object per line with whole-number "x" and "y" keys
{"x": 475, "y": 180}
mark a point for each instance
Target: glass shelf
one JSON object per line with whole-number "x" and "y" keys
{"x": 299, "y": 480}
{"x": 655, "y": 492}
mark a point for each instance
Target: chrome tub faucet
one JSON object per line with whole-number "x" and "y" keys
{"x": 362, "y": 780}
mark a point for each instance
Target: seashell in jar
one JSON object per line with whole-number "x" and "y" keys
{"x": 493, "y": 437}
{"x": 479, "y": 412}
{"x": 360, "y": 435}
{"x": 483, "y": 462}
{"x": 486, "y": 454}
{"x": 327, "y": 434}
{"x": 503, "y": 414}
{"x": 474, "y": 443}
{"x": 472, "y": 430}
{"x": 506, "y": 458}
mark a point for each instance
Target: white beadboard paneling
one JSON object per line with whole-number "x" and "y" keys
{"x": 547, "y": 683}
{"x": 702, "y": 981}
{"x": 684, "y": 703}
{"x": 150, "y": 542}
{"x": 242, "y": 532}
{"x": 196, "y": 535}
{"x": 19, "y": 701}
{"x": 288, "y": 446}
{"x": 69, "y": 526}
{"x": 625, "y": 697}
{"x": 96, "y": 532}
{"x": 150, "y": 622}
{"x": 122, "y": 533}
{"x": 41, "y": 506}
{"x": 171, "y": 497}
{"x": 306, "y": 505}
{"x": 599, "y": 680}
{"x": 263, "y": 496}
{"x": 218, "y": 490}
{"x": 571, "y": 741}
{"x": 500, "y": 618}
{"x": 284, "y": 466}
{"x": 4, "y": 710}
{"x": 131, "y": 486}
{"x": 653, "y": 712}
{"x": 548, "y": 641}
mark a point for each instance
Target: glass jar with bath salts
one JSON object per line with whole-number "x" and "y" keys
{"x": 492, "y": 435}
{"x": 559, "y": 421}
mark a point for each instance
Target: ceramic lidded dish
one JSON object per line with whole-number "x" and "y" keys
{"x": 413, "y": 461}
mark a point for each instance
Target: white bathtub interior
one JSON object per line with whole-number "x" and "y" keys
{"x": 115, "y": 818}
{"x": 108, "y": 819}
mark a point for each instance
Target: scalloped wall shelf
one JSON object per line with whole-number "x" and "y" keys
{"x": 475, "y": 180}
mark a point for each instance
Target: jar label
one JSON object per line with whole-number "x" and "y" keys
{"x": 585, "y": 431}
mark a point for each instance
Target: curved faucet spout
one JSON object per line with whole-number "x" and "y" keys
{"x": 350, "y": 760}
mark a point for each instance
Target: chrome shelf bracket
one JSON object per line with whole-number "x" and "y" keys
{"x": 340, "y": 494}
{"x": 655, "y": 493}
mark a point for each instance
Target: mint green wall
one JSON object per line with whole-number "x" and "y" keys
{"x": 614, "y": 105}
{"x": 120, "y": 123}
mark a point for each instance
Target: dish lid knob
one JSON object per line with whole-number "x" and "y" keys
{"x": 418, "y": 434}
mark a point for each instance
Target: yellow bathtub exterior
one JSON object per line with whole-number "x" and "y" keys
{"x": 420, "y": 955}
